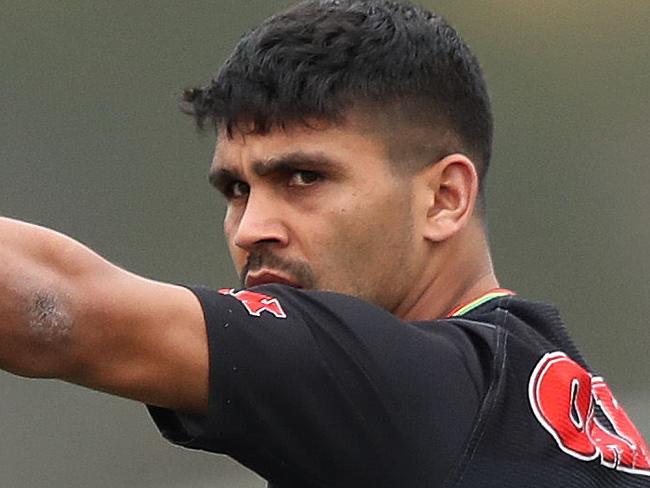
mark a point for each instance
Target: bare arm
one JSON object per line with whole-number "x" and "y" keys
{"x": 67, "y": 313}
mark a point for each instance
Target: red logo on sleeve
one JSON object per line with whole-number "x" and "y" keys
{"x": 564, "y": 398}
{"x": 256, "y": 303}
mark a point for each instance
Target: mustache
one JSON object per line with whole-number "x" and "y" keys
{"x": 298, "y": 271}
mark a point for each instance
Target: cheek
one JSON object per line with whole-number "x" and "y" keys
{"x": 360, "y": 239}
{"x": 228, "y": 227}
{"x": 230, "y": 223}
{"x": 377, "y": 240}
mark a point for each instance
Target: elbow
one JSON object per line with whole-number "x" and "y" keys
{"x": 43, "y": 348}
{"x": 49, "y": 321}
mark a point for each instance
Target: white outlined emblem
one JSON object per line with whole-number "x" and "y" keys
{"x": 564, "y": 396}
{"x": 256, "y": 303}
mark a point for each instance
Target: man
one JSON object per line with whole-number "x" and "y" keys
{"x": 370, "y": 343}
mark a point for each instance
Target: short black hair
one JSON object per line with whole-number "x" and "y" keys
{"x": 320, "y": 58}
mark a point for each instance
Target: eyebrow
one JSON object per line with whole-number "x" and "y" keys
{"x": 221, "y": 176}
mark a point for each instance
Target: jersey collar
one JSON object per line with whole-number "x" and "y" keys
{"x": 486, "y": 297}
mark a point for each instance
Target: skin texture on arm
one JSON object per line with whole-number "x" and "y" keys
{"x": 67, "y": 313}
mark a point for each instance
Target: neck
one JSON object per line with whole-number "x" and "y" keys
{"x": 460, "y": 270}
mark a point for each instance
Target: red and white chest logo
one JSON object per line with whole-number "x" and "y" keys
{"x": 564, "y": 397}
{"x": 256, "y": 303}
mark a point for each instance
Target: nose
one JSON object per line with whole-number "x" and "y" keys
{"x": 260, "y": 223}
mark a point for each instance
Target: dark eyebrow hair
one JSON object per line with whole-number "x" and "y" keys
{"x": 221, "y": 177}
{"x": 294, "y": 161}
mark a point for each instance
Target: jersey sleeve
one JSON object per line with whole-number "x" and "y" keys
{"x": 323, "y": 389}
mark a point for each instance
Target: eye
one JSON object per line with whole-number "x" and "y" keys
{"x": 237, "y": 189}
{"x": 304, "y": 178}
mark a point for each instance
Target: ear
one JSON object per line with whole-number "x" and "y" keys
{"x": 452, "y": 188}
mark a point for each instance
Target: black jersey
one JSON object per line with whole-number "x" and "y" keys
{"x": 317, "y": 389}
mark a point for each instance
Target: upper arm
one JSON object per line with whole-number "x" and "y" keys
{"x": 139, "y": 339}
{"x": 65, "y": 312}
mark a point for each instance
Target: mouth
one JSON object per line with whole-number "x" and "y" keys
{"x": 265, "y": 277}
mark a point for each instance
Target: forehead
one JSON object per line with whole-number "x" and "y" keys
{"x": 346, "y": 142}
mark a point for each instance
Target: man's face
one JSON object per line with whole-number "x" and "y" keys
{"x": 318, "y": 208}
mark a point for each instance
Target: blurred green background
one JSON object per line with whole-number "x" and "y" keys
{"x": 92, "y": 144}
